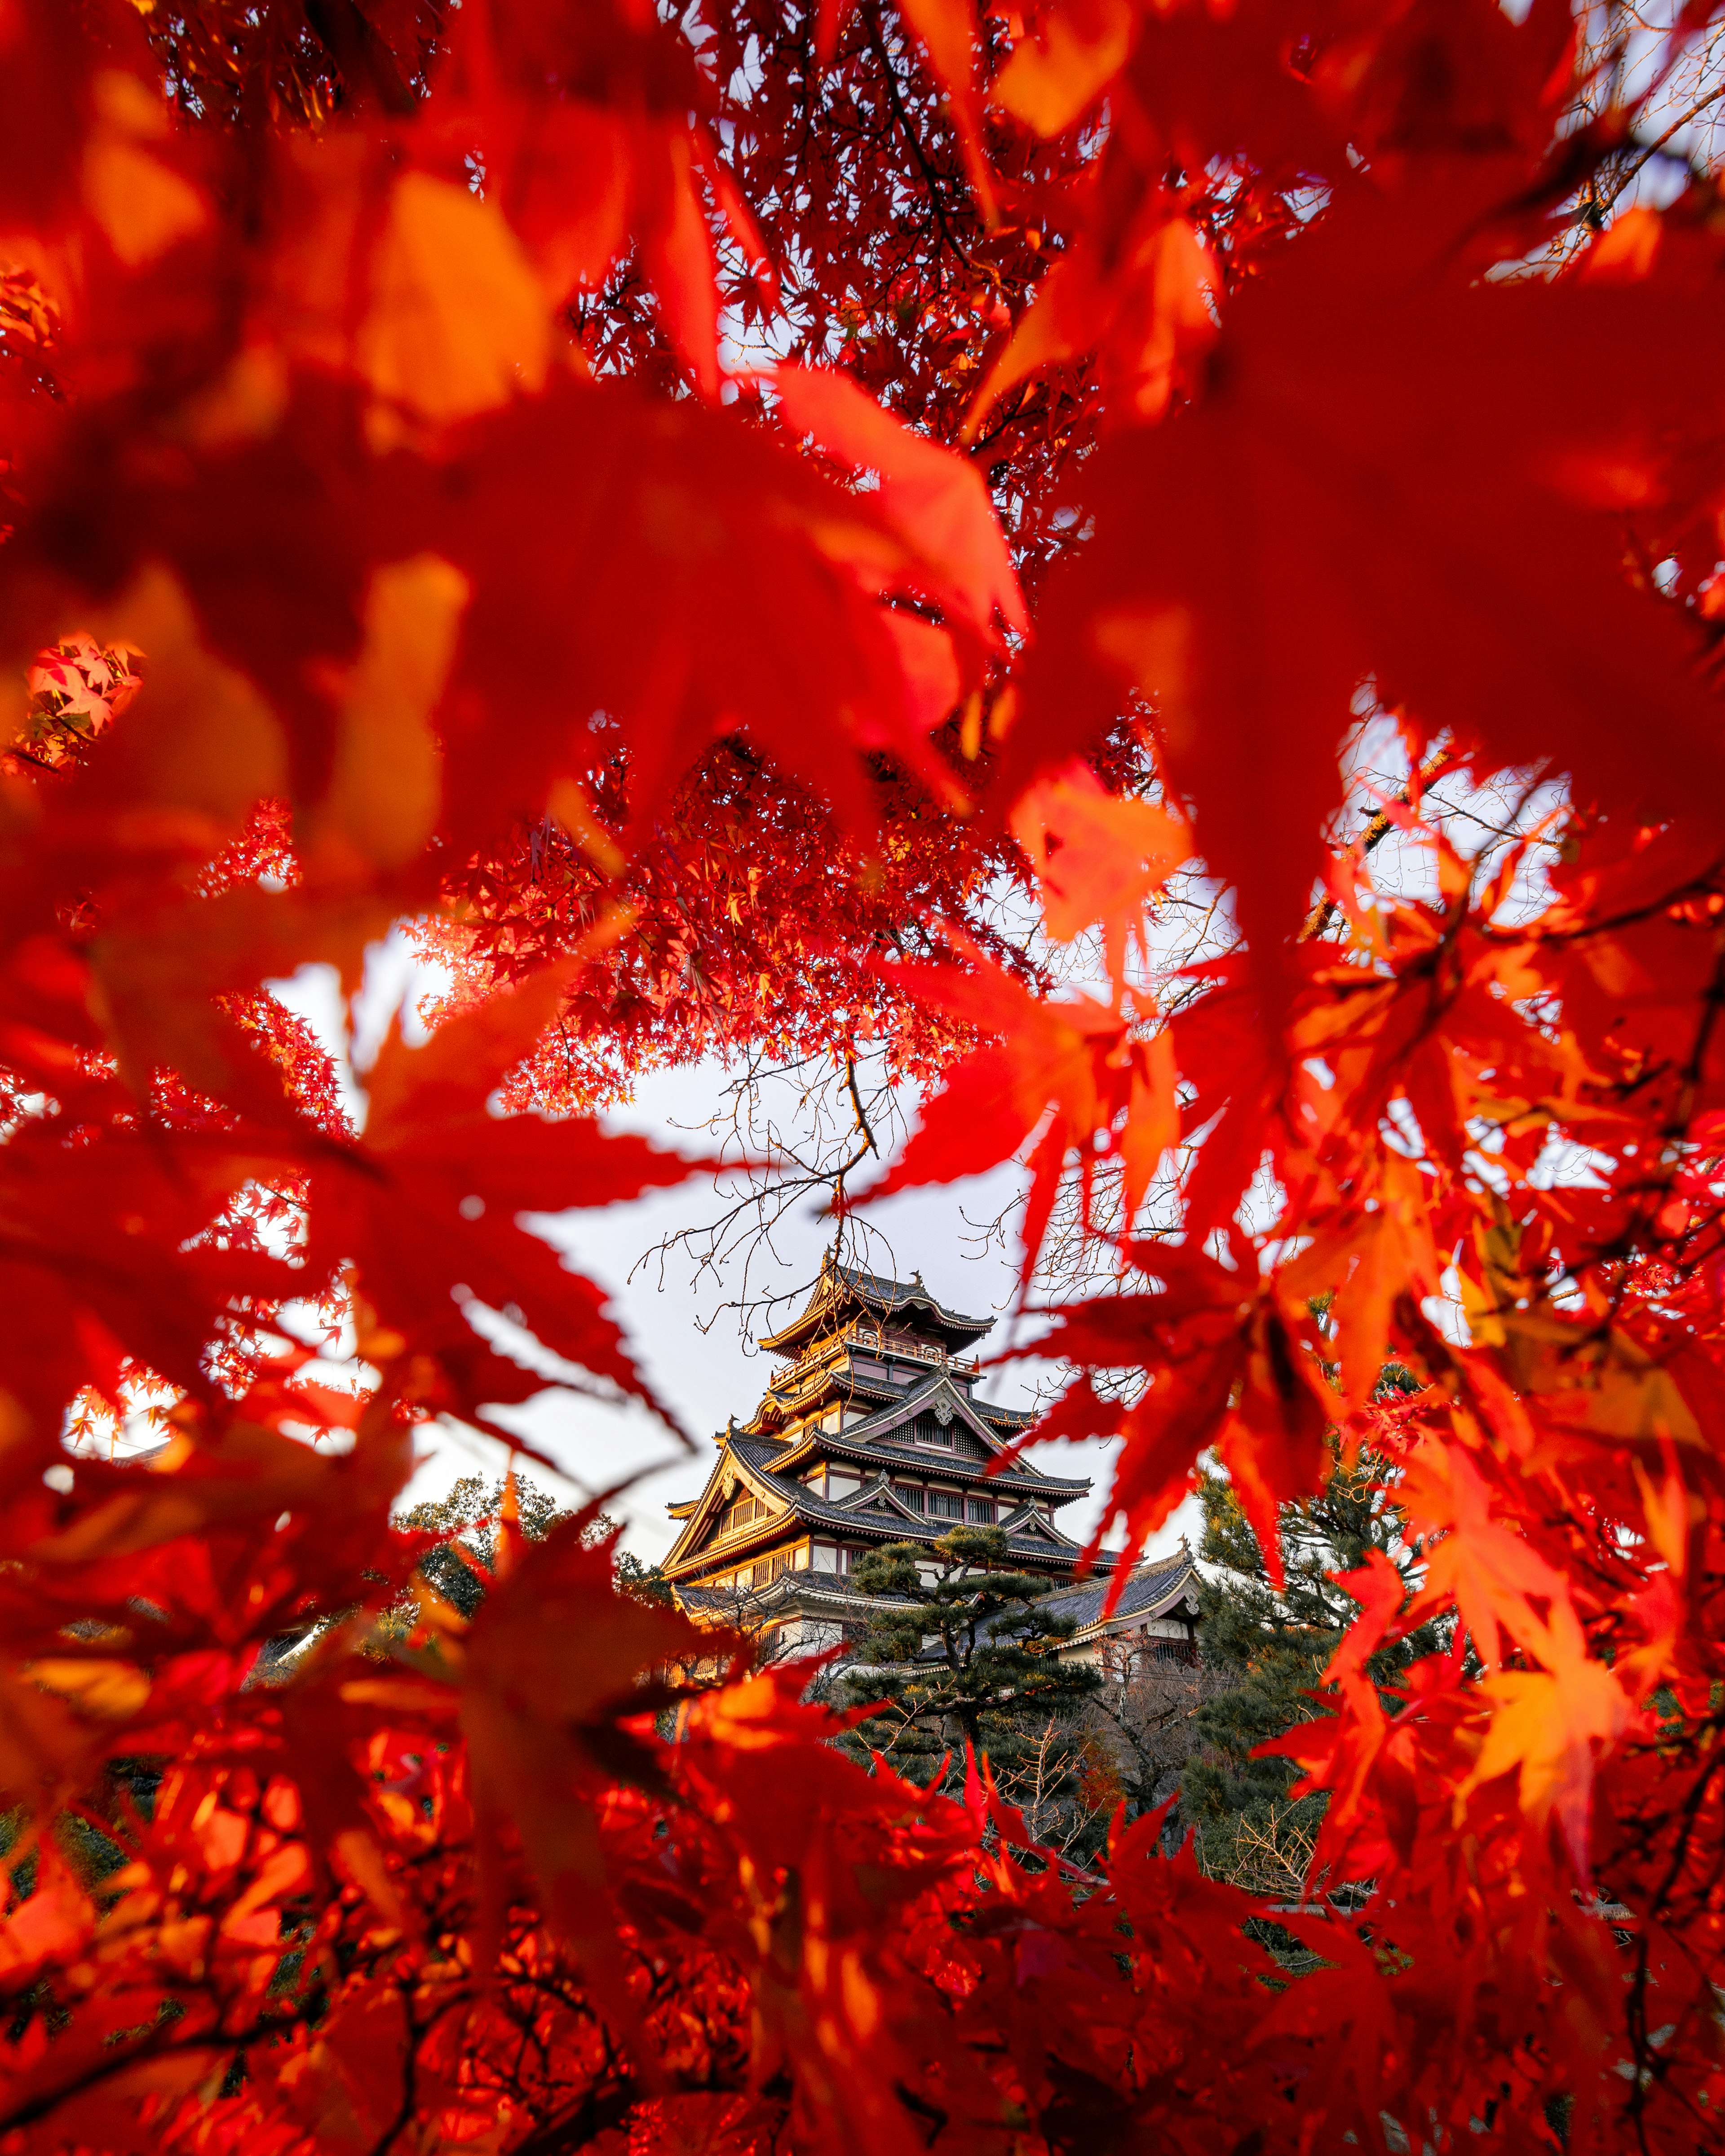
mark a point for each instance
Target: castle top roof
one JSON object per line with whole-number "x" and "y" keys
{"x": 843, "y": 1291}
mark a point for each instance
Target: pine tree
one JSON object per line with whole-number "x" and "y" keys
{"x": 969, "y": 1655}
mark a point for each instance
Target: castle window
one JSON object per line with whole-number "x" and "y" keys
{"x": 911, "y": 1492}
{"x": 980, "y": 1509}
{"x": 930, "y": 1432}
{"x": 947, "y": 1503}
{"x": 739, "y": 1513}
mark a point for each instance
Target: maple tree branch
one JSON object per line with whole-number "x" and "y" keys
{"x": 1376, "y": 831}
{"x": 780, "y": 1167}
{"x": 603, "y": 2108}
{"x": 895, "y": 99}
{"x": 361, "y": 55}
{"x": 862, "y": 1119}
{"x": 18, "y": 752}
{"x": 1648, "y": 151}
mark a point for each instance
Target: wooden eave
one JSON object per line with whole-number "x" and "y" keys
{"x": 905, "y": 1406}
{"x": 1150, "y": 1591}
{"x": 914, "y": 1403}
{"x": 857, "y": 1441}
{"x": 830, "y": 1383}
{"x": 877, "y": 1492}
{"x": 842, "y": 1288}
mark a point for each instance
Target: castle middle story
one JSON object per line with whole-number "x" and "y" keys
{"x": 873, "y": 1431}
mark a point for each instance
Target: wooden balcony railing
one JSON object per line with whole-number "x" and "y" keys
{"x": 791, "y": 1375}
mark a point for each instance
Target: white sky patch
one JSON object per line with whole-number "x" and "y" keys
{"x": 396, "y": 980}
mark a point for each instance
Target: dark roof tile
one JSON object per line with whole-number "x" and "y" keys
{"x": 876, "y": 1292}
{"x": 1148, "y": 1586}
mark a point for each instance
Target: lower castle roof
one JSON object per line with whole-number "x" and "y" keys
{"x": 1150, "y": 1589}
{"x": 1153, "y": 1587}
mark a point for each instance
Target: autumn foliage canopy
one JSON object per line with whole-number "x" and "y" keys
{"x": 687, "y": 509}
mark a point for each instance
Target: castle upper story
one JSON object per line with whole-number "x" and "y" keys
{"x": 863, "y": 1344}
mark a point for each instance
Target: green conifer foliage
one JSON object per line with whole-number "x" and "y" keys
{"x": 1270, "y": 1648}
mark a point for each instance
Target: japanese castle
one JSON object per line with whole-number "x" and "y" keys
{"x": 871, "y": 1432}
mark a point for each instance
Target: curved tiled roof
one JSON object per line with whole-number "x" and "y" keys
{"x": 905, "y": 1405}
{"x": 819, "y": 1587}
{"x": 926, "y": 1460}
{"x": 839, "y": 1284}
{"x": 858, "y": 1440}
{"x": 850, "y": 1513}
{"x": 839, "y": 1377}
{"x": 1150, "y": 1587}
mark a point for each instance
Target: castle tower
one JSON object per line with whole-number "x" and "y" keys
{"x": 871, "y": 1432}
